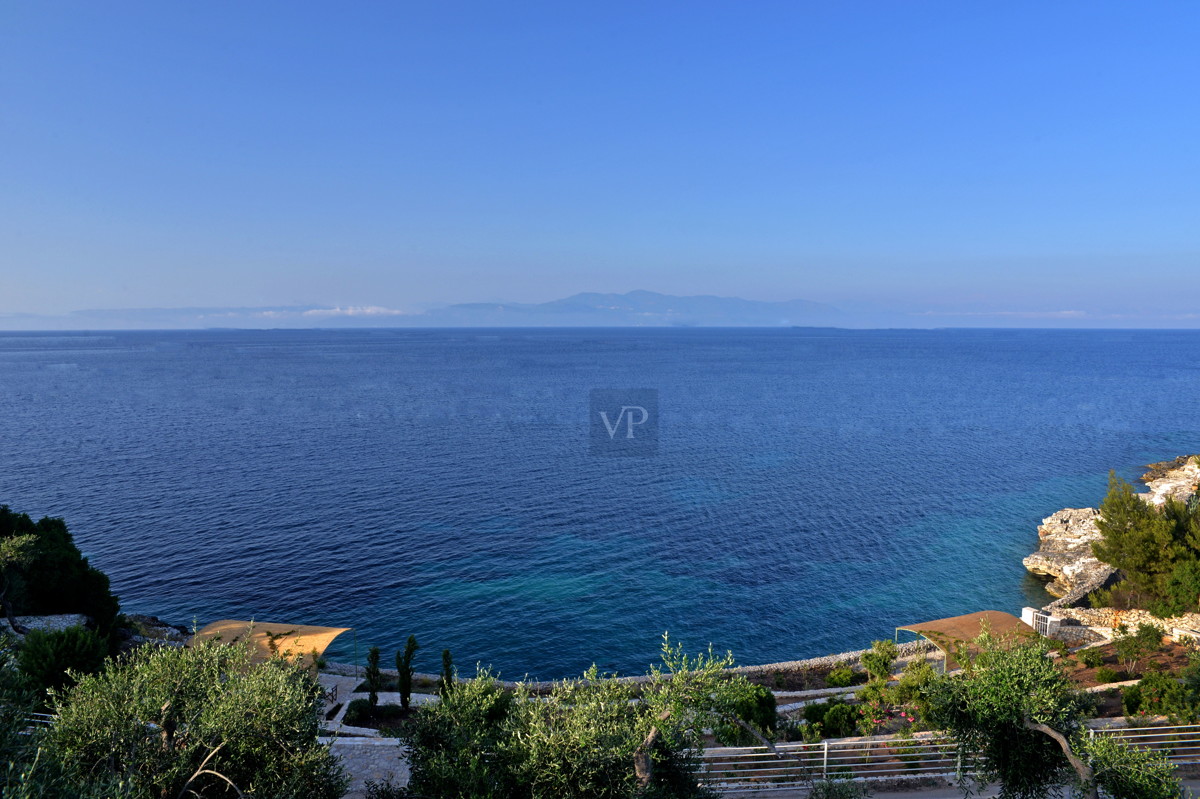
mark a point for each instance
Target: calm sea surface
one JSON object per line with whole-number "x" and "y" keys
{"x": 812, "y": 489}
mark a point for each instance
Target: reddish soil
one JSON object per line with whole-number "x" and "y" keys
{"x": 1172, "y": 658}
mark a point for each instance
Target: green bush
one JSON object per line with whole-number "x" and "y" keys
{"x": 1104, "y": 674}
{"x": 45, "y": 657}
{"x": 756, "y": 709}
{"x": 840, "y": 722}
{"x": 154, "y": 717}
{"x": 1090, "y": 657}
{"x": 879, "y": 661}
{"x": 358, "y": 711}
{"x": 1161, "y": 695}
{"x": 57, "y": 579}
{"x": 841, "y": 677}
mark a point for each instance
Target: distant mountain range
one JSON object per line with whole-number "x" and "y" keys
{"x": 590, "y": 309}
{"x": 638, "y": 309}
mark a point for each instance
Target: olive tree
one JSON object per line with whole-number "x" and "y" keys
{"x": 591, "y": 738}
{"x": 165, "y": 721}
{"x": 1016, "y": 720}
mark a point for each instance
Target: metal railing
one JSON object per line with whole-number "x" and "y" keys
{"x": 755, "y": 768}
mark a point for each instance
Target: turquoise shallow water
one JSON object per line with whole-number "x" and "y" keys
{"x": 812, "y": 488}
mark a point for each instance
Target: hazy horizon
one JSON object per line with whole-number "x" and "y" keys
{"x": 931, "y": 165}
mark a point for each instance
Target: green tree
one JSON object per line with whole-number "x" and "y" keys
{"x": 1138, "y": 539}
{"x": 1017, "y": 720}
{"x": 446, "y": 683}
{"x": 404, "y": 670}
{"x": 1131, "y": 647}
{"x": 53, "y": 577}
{"x": 879, "y": 660}
{"x": 374, "y": 676}
{"x": 168, "y": 720}
{"x": 1011, "y": 718}
{"x": 17, "y": 552}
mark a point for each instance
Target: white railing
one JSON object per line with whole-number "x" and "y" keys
{"x": 755, "y": 768}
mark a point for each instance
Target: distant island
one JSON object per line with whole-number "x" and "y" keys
{"x": 588, "y": 309}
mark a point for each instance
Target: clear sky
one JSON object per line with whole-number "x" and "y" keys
{"x": 1029, "y": 161}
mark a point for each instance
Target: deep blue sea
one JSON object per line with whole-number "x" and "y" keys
{"x": 812, "y": 489}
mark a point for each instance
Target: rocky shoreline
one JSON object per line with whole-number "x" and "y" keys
{"x": 1065, "y": 538}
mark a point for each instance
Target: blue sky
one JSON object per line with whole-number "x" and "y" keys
{"x": 956, "y": 163}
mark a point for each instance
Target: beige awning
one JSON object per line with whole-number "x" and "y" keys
{"x": 956, "y": 633}
{"x": 299, "y": 642}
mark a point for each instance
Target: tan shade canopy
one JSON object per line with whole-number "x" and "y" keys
{"x": 949, "y": 634}
{"x": 299, "y": 642}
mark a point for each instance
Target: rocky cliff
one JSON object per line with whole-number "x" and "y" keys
{"x": 1065, "y": 538}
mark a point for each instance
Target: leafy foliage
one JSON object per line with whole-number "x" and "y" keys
{"x": 1001, "y": 717}
{"x": 43, "y": 572}
{"x": 831, "y": 719}
{"x": 584, "y": 738}
{"x": 158, "y": 718}
{"x": 840, "y": 677}
{"x": 1125, "y": 772}
{"x": 1090, "y": 657}
{"x": 46, "y": 657}
{"x": 18, "y": 701}
{"x": 1160, "y": 694}
{"x": 986, "y": 713}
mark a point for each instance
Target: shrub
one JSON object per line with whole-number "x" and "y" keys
{"x": 1159, "y": 694}
{"x": 840, "y": 677}
{"x": 254, "y": 723}
{"x": 839, "y": 789}
{"x": 757, "y": 709}
{"x": 1090, "y": 657}
{"x": 1104, "y": 674}
{"x": 879, "y": 661}
{"x": 840, "y": 721}
{"x": 357, "y": 712}
{"x": 45, "y": 657}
